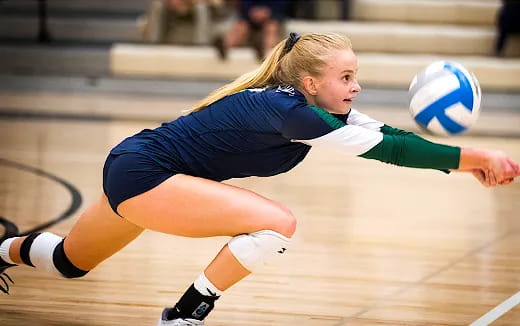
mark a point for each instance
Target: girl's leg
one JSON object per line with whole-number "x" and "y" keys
{"x": 182, "y": 205}
{"x": 97, "y": 235}
{"x": 195, "y": 207}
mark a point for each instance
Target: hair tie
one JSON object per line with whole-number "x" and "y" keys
{"x": 291, "y": 40}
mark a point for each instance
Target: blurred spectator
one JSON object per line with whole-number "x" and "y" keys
{"x": 309, "y": 9}
{"x": 345, "y": 9}
{"x": 303, "y": 9}
{"x": 164, "y": 14}
{"x": 262, "y": 20}
{"x": 508, "y": 22}
{"x": 43, "y": 31}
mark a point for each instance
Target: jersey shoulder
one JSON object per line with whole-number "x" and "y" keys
{"x": 284, "y": 98}
{"x": 301, "y": 120}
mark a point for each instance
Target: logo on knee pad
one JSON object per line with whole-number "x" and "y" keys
{"x": 255, "y": 250}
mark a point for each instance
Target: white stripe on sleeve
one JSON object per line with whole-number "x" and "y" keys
{"x": 357, "y": 118}
{"x": 354, "y": 140}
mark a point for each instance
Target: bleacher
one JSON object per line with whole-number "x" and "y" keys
{"x": 392, "y": 38}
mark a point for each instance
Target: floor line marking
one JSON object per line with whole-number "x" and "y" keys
{"x": 383, "y": 300}
{"x": 498, "y": 311}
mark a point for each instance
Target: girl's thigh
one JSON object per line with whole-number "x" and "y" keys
{"x": 196, "y": 207}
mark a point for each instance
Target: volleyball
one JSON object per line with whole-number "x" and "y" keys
{"x": 445, "y": 98}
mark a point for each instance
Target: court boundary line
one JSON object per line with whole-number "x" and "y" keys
{"x": 382, "y": 301}
{"x": 498, "y": 311}
{"x": 76, "y": 198}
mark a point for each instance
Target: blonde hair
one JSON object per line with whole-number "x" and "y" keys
{"x": 306, "y": 57}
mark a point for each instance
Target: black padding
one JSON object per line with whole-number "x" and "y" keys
{"x": 26, "y": 248}
{"x": 63, "y": 264}
{"x": 192, "y": 304}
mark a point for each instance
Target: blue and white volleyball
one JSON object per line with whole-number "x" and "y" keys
{"x": 445, "y": 98}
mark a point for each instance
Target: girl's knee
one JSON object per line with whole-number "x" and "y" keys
{"x": 289, "y": 224}
{"x": 284, "y": 221}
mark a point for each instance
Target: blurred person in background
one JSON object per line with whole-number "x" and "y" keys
{"x": 508, "y": 22}
{"x": 261, "y": 20}
{"x": 43, "y": 30}
{"x": 310, "y": 9}
{"x": 303, "y": 9}
{"x": 163, "y": 15}
{"x": 345, "y": 6}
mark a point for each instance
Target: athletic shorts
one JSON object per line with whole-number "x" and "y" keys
{"x": 278, "y": 12}
{"x": 129, "y": 174}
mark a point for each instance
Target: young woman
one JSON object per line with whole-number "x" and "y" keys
{"x": 262, "y": 124}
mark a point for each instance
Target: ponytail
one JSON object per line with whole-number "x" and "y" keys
{"x": 260, "y": 77}
{"x": 287, "y": 63}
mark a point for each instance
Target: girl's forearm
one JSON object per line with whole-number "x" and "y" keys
{"x": 471, "y": 159}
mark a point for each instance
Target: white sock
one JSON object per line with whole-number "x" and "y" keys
{"x": 4, "y": 250}
{"x": 205, "y": 287}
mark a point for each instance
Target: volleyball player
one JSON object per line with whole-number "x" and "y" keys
{"x": 264, "y": 123}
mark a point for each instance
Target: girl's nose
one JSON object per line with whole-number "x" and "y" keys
{"x": 356, "y": 88}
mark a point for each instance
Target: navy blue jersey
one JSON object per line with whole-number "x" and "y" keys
{"x": 256, "y": 132}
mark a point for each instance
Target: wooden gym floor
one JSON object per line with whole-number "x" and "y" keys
{"x": 375, "y": 245}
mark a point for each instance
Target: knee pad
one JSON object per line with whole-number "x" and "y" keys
{"x": 45, "y": 252}
{"x": 256, "y": 249}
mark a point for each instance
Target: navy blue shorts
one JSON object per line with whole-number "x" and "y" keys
{"x": 130, "y": 174}
{"x": 278, "y": 10}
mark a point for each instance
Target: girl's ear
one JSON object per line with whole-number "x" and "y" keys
{"x": 309, "y": 83}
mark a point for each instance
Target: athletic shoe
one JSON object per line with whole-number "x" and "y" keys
{"x": 11, "y": 230}
{"x": 179, "y": 321}
{"x": 4, "y": 277}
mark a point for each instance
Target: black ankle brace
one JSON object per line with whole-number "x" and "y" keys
{"x": 192, "y": 305}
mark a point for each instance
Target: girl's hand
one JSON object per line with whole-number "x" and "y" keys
{"x": 486, "y": 179}
{"x": 506, "y": 182}
{"x": 491, "y": 168}
{"x": 502, "y": 168}
{"x": 483, "y": 177}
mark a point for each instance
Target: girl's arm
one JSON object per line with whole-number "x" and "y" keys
{"x": 481, "y": 163}
{"x": 370, "y": 139}
{"x": 490, "y": 167}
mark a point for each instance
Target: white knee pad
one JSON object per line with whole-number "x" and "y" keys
{"x": 256, "y": 249}
{"x": 42, "y": 250}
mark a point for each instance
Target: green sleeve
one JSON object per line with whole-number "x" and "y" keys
{"x": 387, "y": 130}
{"x": 405, "y": 148}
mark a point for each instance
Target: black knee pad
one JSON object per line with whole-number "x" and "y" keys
{"x": 25, "y": 248}
{"x": 64, "y": 265}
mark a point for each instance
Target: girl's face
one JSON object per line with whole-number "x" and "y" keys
{"x": 336, "y": 88}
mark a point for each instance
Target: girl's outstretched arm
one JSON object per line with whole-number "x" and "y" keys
{"x": 365, "y": 137}
{"x": 490, "y": 167}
